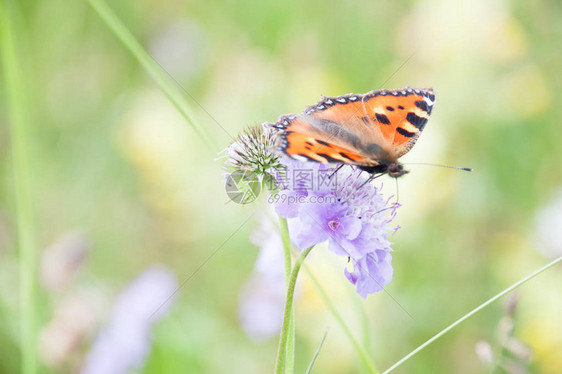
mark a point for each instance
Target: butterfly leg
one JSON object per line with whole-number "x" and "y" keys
{"x": 335, "y": 171}
{"x": 371, "y": 178}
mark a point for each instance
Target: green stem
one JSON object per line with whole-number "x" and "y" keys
{"x": 290, "y": 358}
{"x": 282, "y": 353}
{"x": 471, "y": 313}
{"x": 151, "y": 67}
{"x": 284, "y": 230}
{"x": 363, "y": 355}
{"x": 24, "y": 215}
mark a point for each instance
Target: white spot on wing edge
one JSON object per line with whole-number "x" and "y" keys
{"x": 428, "y": 101}
{"x": 299, "y": 158}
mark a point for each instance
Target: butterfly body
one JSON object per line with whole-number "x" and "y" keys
{"x": 394, "y": 169}
{"x": 370, "y": 131}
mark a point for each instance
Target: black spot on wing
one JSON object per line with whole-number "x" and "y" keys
{"x": 321, "y": 142}
{"x": 328, "y": 157}
{"x": 389, "y": 108}
{"x": 346, "y": 156}
{"x": 309, "y": 143}
{"x": 422, "y": 104}
{"x": 400, "y": 107}
{"x": 381, "y": 118}
{"x": 418, "y": 122}
{"x": 405, "y": 133}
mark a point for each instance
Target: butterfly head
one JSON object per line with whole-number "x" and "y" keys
{"x": 396, "y": 170}
{"x": 393, "y": 168}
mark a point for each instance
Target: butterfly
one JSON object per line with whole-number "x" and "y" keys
{"x": 370, "y": 131}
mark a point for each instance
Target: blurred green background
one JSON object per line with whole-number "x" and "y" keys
{"x": 112, "y": 158}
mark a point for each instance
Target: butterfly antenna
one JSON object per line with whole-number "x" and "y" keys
{"x": 440, "y": 166}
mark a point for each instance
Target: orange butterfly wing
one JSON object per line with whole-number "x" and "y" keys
{"x": 400, "y": 115}
{"x": 301, "y": 140}
{"x": 357, "y": 129}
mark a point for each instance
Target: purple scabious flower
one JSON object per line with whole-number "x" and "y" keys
{"x": 124, "y": 344}
{"x": 321, "y": 206}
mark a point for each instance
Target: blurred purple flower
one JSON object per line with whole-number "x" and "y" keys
{"x": 263, "y": 296}
{"x": 124, "y": 343}
{"x": 355, "y": 221}
{"x": 260, "y": 309}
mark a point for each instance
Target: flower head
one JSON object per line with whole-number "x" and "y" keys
{"x": 354, "y": 218}
{"x": 251, "y": 152}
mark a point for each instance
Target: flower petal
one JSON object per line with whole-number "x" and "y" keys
{"x": 306, "y": 233}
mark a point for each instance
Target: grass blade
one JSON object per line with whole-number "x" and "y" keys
{"x": 309, "y": 370}
{"x": 471, "y": 313}
{"x": 151, "y": 67}
{"x": 23, "y": 205}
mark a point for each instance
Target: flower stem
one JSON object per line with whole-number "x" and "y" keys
{"x": 284, "y": 230}
{"x": 471, "y": 313}
{"x": 23, "y": 198}
{"x": 363, "y": 355}
{"x": 285, "y": 329}
{"x": 290, "y": 358}
{"x": 153, "y": 69}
